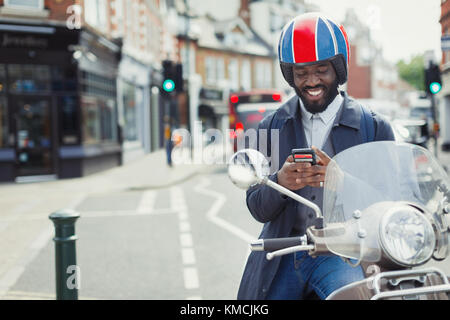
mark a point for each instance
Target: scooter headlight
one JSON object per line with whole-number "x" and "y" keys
{"x": 407, "y": 236}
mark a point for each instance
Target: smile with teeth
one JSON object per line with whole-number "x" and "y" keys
{"x": 315, "y": 92}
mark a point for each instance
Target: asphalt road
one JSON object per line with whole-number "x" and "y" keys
{"x": 186, "y": 241}
{"x": 189, "y": 241}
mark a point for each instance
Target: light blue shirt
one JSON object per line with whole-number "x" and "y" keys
{"x": 318, "y": 126}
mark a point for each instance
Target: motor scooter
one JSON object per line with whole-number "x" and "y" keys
{"x": 385, "y": 207}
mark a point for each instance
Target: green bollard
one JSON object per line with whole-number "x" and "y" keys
{"x": 67, "y": 271}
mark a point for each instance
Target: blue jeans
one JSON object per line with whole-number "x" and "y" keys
{"x": 299, "y": 275}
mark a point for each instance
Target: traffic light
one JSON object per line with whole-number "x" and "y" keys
{"x": 433, "y": 81}
{"x": 169, "y": 76}
{"x": 178, "y": 77}
{"x": 173, "y": 76}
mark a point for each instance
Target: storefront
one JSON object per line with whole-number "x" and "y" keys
{"x": 134, "y": 107}
{"x": 213, "y": 109}
{"x": 58, "y": 112}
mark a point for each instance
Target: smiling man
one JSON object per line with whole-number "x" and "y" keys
{"x": 316, "y": 85}
{"x": 313, "y": 54}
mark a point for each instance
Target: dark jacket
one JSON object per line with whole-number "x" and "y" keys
{"x": 279, "y": 213}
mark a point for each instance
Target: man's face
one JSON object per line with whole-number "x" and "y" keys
{"x": 316, "y": 85}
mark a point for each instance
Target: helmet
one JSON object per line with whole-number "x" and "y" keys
{"x": 310, "y": 38}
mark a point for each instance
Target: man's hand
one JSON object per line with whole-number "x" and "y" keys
{"x": 323, "y": 158}
{"x": 296, "y": 176}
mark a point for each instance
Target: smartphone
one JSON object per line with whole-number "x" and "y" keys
{"x": 304, "y": 156}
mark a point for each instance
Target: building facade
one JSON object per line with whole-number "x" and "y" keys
{"x": 228, "y": 56}
{"x": 138, "y": 24}
{"x": 371, "y": 77}
{"x": 268, "y": 18}
{"x": 79, "y": 86}
{"x": 59, "y": 94}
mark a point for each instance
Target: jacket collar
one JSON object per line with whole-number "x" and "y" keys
{"x": 349, "y": 114}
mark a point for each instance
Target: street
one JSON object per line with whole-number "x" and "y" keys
{"x": 178, "y": 233}
{"x": 188, "y": 241}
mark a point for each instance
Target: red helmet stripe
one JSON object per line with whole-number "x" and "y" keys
{"x": 304, "y": 49}
{"x": 347, "y": 43}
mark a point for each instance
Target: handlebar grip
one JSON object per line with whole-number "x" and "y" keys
{"x": 271, "y": 245}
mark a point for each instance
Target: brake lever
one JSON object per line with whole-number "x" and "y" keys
{"x": 285, "y": 251}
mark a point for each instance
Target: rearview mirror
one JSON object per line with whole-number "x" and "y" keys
{"x": 248, "y": 167}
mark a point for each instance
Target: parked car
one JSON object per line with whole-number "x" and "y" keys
{"x": 413, "y": 131}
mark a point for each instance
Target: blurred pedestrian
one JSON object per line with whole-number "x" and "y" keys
{"x": 314, "y": 56}
{"x": 168, "y": 139}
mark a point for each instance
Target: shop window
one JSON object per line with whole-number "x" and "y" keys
{"x": 98, "y": 109}
{"x": 2, "y": 78}
{"x": 25, "y": 4}
{"x": 130, "y": 112}
{"x": 97, "y": 85}
{"x": 63, "y": 79}
{"x": 91, "y": 120}
{"x": 28, "y": 78}
{"x": 108, "y": 120}
{"x": 69, "y": 120}
{"x": 4, "y": 129}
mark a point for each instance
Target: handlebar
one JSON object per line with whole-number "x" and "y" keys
{"x": 281, "y": 246}
{"x": 271, "y": 245}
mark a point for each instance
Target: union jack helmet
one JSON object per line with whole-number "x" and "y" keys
{"x": 310, "y": 38}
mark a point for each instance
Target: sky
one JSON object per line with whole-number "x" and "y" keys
{"x": 402, "y": 27}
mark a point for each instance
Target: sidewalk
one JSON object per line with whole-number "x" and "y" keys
{"x": 148, "y": 172}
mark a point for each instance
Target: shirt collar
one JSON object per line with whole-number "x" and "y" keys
{"x": 327, "y": 115}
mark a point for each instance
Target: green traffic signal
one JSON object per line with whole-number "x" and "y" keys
{"x": 435, "y": 87}
{"x": 169, "y": 85}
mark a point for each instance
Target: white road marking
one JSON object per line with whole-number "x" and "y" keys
{"x": 183, "y": 216}
{"x": 147, "y": 203}
{"x": 190, "y": 274}
{"x": 191, "y": 278}
{"x": 123, "y": 213}
{"x": 185, "y": 226}
{"x": 213, "y": 212}
{"x": 188, "y": 256}
{"x": 186, "y": 240}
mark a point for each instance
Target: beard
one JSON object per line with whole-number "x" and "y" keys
{"x": 317, "y": 107}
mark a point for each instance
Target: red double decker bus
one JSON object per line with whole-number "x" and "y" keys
{"x": 248, "y": 108}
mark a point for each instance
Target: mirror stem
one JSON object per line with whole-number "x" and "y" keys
{"x": 294, "y": 196}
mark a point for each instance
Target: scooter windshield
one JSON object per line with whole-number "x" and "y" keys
{"x": 361, "y": 178}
